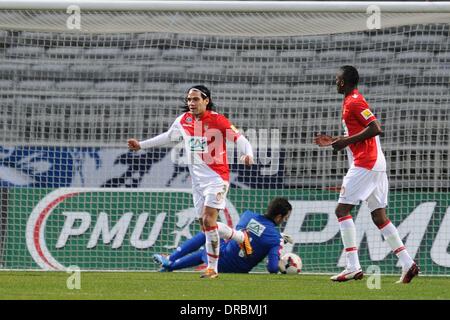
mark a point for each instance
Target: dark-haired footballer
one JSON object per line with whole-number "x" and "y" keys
{"x": 266, "y": 240}
{"x": 366, "y": 179}
{"x": 205, "y": 133}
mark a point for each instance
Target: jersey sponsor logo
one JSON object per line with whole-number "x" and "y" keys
{"x": 366, "y": 114}
{"x": 255, "y": 227}
{"x": 198, "y": 144}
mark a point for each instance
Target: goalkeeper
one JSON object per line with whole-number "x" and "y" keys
{"x": 265, "y": 237}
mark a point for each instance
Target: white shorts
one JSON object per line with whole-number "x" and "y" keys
{"x": 212, "y": 195}
{"x": 365, "y": 185}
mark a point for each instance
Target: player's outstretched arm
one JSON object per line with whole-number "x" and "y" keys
{"x": 246, "y": 149}
{"x": 160, "y": 140}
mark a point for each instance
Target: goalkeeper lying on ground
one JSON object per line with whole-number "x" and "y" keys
{"x": 265, "y": 237}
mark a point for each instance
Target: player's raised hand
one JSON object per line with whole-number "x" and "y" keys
{"x": 247, "y": 160}
{"x": 133, "y": 145}
{"x": 323, "y": 140}
{"x": 339, "y": 144}
{"x": 287, "y": 238}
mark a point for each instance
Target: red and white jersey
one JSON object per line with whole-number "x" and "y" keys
{"x": 205, "y": 144}
{"x": 356, "y": 116}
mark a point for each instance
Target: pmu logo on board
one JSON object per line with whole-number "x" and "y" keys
{"x": 101, "y": 228}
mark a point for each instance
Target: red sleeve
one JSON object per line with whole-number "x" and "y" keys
{"x": 361, "y": 111}
{"x": 228, "y": 130}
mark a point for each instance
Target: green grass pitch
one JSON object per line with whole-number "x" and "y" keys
{"x": 188, "y": 285}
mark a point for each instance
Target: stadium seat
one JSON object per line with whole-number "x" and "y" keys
{"x": 314, "y": 42}
{"x": 157, "y": 86}
{"x": 36, "y": 85}
{"x": 218, "y": 54}
{"x": 75, "y": 85}
{"x": 141, "y": 53}
{"x": 250, "y": 73}
{"x": 50, "y": 69}
{"x": 115, "y": 39}
{"x": 310, "y": 89}
{"x": 64, "y": 53}
{"x": 336, "y": 55}
{"x": 375, "y": 56}
{"x": 297, "y": 56}
{"x": 17, "y": 68}
{"x": 102, "y": 53}
{"x": 126, "y": 72}
{"x": 22, "y": 101}
{"x": 258, "y": 55}
{"x": 86, "y": 71}
{"x": 414, "y": 56}
{"x": 270, "y": 89}
{"x": 432, "y": 75}
{"x": 443, "y": 57}
{"x": 358, "y": 40}
{"x": 62, "y": 101}
{"x": 425, "y": 90}
{"x": 181, "y": 38}
{"x": 231, "y": 88}
{"x": 428, "y": 42}
{"x": 114, "y": 86}
{"x": 386, "y": 90}
{"x": 326, "y": 75}
{"x": 164, "y": 70}
{"x": 33, "y": 36}
{"x": 387, "y": 41}
{"x": 210, "y": 71}
{"x": 6, "y": 85}
{"x": 25, "y": 52}
{"x": 180, "y": 54}
{"x": 402, "y": 72}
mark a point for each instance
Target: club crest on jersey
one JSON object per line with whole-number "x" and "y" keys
{"x": 198, "y": 144}
{"x": 366, "y": 114}
{"x": 188, "y": 119}
{"x": 219, "y": 197}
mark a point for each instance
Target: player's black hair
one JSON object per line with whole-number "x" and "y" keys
{"x": 278, "y": 206}
{"x": 350, "y": 76}
{"x": 205, "y": 93}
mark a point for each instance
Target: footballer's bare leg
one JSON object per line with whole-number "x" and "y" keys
{"x": 352, "y": 270}
{"x": 390, "y": 233}
{"x": 209, "y": 221}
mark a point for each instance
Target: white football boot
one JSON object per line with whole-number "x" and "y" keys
{"x": 407, "y": 276}
{"x": 347, "y": 275}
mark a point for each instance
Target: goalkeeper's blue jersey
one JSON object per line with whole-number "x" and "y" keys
{"x": 265, "y": 238}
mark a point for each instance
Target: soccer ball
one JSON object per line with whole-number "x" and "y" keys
{"x": 290, "y": 263}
